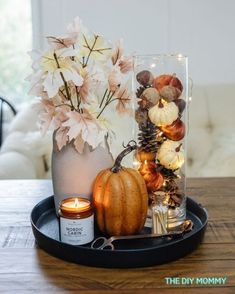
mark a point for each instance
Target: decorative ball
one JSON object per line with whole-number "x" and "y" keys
{"x": 153, "y": 179}
{"x": 143, "y": 156}
{"x": 156, "y": 182}
{"x": 168, "y": 80}
{"x": 175, "y": 131}
{"x": 163, "y": 113}
{"x": 141, "y": 115}
{"x": 147, "y": 169}
{"x": 151, "y": 96}
{"x": 171, "y": 155}
{"x": 169, "y": 93}
{"x": 145, "y": 78}
{"x": 181, "y": 105}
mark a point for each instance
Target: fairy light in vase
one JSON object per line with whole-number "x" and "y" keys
{"x": 160, "y": 136}
{"x": 180, "y": 56}
{"x": 136, "y": 164}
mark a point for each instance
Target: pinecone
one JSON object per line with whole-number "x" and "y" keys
{"x": 147, "y": 137}
{"x": 141, "y": 116}
{"x": 174, "y": 197}
{"x": 168, "y": 173}
{"x": 174, "y": 200}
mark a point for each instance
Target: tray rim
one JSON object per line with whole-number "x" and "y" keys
{"x": 33, "y": 224}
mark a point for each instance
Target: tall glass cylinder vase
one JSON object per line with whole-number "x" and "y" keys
{"x": 161, "y": 86}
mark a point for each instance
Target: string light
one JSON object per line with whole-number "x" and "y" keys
{"x": 136, "y": 164}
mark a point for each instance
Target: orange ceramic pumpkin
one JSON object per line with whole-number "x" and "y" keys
{"x": 120, "y": 199}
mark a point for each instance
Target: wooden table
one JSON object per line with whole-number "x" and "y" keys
{"x": 25, "y": 268}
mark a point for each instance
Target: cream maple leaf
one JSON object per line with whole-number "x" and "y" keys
{"x": 79, "y": 144}
{"x": 117, "y": 52}
{"x": 85, "y": 125}
{"x": 96, "y": 47}
{"x": 126, "y": 64}
{"x": 86, "y": 87}
{"x": 61, "y": 137}
{"x": 124, "y": 97}
{"x": 114, "y": 79}
{"x": 69, "y": 39}
{"x": 54, "y": 63}
{"x": 51, "y": 117}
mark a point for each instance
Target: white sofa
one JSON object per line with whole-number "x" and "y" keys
{"x": 25, "y": 154}
{"x": 211, "y": 139}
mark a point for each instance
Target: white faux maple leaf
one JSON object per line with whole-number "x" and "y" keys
{"x": 117, "y": 52}
{"x": 61, "y": 137}
{"x": 96, "y": 47}
{"x": 114, "y": 79}
{"x": 79, "y": 144}
{"x": 84, "y": 125}
{"x": 57, "y": 62}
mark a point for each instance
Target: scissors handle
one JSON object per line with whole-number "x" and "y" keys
{"x": 102, "y": 243}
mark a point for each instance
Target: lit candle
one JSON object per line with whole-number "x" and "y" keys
{"x": 76, "y": 221}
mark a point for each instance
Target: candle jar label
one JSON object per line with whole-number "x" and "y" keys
{"x": 77, "y": 231}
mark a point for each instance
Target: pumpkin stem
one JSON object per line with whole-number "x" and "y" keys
{"x": 132, "y": 145}
{"x": 160, "y": 105}
{"x": 177, "y": 149}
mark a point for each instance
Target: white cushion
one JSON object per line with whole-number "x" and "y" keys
{"x": 211, "y": 131}
{"x": 25, "y": 120}
{"x": 15, "y": 165}
{"x": 33, "y": 145}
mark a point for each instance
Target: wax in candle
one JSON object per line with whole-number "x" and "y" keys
{"x": 75, "y": 205}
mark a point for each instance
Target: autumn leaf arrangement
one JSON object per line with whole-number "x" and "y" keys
{"x": 82, "y": 82}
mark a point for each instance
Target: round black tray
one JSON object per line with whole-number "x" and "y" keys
{"x": 127, "y": 254}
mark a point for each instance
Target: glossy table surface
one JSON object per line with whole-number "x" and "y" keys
{"x": 25, "y": 268}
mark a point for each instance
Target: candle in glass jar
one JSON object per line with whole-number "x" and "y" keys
{"x": 76, "y": 221}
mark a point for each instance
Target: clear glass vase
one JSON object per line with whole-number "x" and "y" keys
{"x": 161, "y": 86}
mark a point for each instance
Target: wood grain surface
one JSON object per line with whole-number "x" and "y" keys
{"x": 25, "y": 268}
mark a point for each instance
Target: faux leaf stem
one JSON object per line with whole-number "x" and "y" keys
{"x": 103, "y": 98}
{"x": 108, "y": 101}
{"x": 64, "y": 81}
{"x": 90, "y": 49}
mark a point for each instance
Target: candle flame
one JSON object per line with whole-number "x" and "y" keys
{"x": 76, "y": 202}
